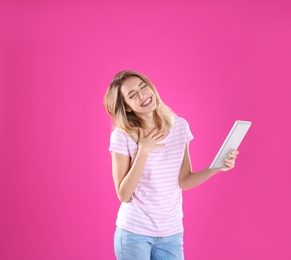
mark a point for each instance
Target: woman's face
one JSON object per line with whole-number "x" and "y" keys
{"x": 138, "y": 96}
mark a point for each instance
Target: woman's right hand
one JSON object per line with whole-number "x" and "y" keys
{"x": 148, "y": 143}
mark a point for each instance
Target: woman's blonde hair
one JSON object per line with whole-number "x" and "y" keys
{"x": 128, "y": 121}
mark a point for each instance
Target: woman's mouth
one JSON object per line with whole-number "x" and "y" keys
{"x": 147, "y": 102}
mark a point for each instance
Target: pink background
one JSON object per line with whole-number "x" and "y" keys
{"x": 213, "y": 62}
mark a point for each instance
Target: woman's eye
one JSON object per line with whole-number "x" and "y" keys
{"x": 130, "y": 97}
{"x": 143, "y": 86}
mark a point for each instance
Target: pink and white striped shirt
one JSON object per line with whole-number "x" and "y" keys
{"x": 156, "y": 205}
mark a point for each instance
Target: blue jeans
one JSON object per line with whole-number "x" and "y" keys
{"x": 132, "y": 246}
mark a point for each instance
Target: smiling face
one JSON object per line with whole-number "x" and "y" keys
{"x": 139, "y": 97}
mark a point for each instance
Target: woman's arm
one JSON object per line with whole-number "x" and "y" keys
{"x": 126, "y": 178}
{"x": 189, "y": 179}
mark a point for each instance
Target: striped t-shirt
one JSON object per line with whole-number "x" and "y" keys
{"x": 156, "y": 205}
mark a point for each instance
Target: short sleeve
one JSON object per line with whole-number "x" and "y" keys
{"x": 189, "y": 135}
{"x": 119, "y": 142}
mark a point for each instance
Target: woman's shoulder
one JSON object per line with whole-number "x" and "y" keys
{"x": 180, "y": 123}
{"x": 179, "y": 120}
{"x": 119, "y": 133}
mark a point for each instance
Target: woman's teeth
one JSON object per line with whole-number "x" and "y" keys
{"x": 147, "y": 102}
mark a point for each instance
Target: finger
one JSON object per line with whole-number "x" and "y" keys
{"x": 235, "y": 152}
{"x": 230, "y": 163}
{"x": 159, "y": 136}
{"x": 229, "y": 166}
{"x": 232, "y": 156}
{"x": 160, "y": 145}
{"x": 140, "y": 133}
{"x": 154, "y": 131}
{"x": 157, "y": 133}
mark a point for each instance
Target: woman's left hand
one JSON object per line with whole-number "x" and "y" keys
{"x": 230, "y": 163}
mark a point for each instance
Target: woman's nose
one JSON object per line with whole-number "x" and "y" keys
{"x": 140, "y": 95}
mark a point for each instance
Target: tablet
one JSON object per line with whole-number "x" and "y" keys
{"x": 231, "y": 143}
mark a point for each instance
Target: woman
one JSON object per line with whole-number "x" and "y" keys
{"x": 151, "y": 166}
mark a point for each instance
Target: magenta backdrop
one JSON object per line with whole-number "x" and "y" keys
{"x": 212, "y": 61}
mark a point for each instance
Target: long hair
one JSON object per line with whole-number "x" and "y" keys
{"x": 128, "y": 121}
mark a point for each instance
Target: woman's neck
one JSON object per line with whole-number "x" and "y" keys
{"x": 149, "y": 122}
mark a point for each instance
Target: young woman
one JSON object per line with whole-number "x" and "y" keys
{"x": 151, "y": 166}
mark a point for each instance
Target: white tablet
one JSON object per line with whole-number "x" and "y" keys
{"x": 231, "y": 143}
